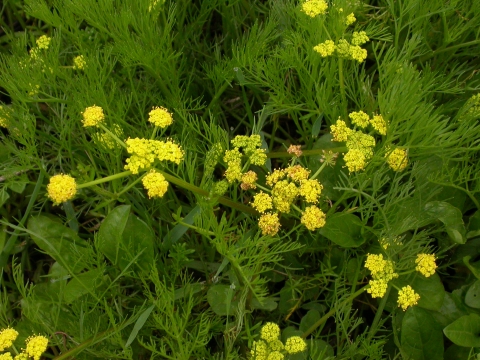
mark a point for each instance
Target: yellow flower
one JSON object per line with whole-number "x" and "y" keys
{"x": 167, "y": 150}
{"x": 270, "y": 332}
{"x": 295, "y": 149}
{"x": 313, "y": 218}
{"x": 283, "y": 194}
{"x": 375, "y": 263}
{"x": 7, "y": 337}
{"x": 33, "y": 89}
{"x": 248, "y": 180}
{"x": 377, "y": 288}
{"x": 407, "y": 297}
{"x": 297, "y": 173}
{"x": 314, "y": 7}
{"x": 36, "y": 346}
{"x": 269, "y": 224}
{"x": 43, "y": 42}
{"x": 363, "y": 142}
{"x": 6, "y": 356}
{"x": 275, "y": 345}
{"x": 343, "y": 48}
{"x": 295, "y": 344}
{"x": 92, "y": 116}
{"x": 61, "y": 188}
{"x": 326, "y": 48}
{"x": 397, "y": 159}
{"x": 359, "y": 38}
{"x": 4, "y": 116}
{"x": 350, "y": 19}
{"x": 258, "y": 157}
{"x": 340, "y": 131}
{"x": 259, "y": 350}
{"x": 160, "y": 117}
{"x": 233, "y": 155}
{"x": 262, "y": 202}
{"x": 357, "y": 53}
{"x": 105, "y": 141}
{"x": 155, "y": 184}
{"x": 379, "y": 124}
{"x": 355, "y": 160}
{"x": 250, "y": 143}
{"x": 360, "y": 119}
{"x": 310, "y": 190}
{"x": 275, "y": 355}
{"x": 79, "y": 62}
{"x": 220, "y": 187}
{"x": 473, "y": 105}
{"x": 275, "y": 177}
{"x": 21, "y": 356}
{"x": 234, "y": 171}
{"x": 426, "y": 264}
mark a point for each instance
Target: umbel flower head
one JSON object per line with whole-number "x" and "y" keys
{"x": 295, "y": 345}
{"x": 7, "y": 337}
{"x": 407, "y": 297}
{"x": 382, "y": 272}
{"x": 313, "y": 218}
{"x": 160, "y": 117}
{"x": 61, "y": 188}
{"x": 397, "y": 159}
{"x": 4, "y": 116}
{"x": 155, "y": 184}
{"x": 92, "y": 116}
{"x": 79, "y": 62}
{"x": 326, "y": 48}
{"x": 36, "y": 346}
{"x": 270, "y": 332}
{"x": 314, "y": 7}
{"x": 43, "y": 42}
{"x": 426, "y": 264}
{"x": 271, "y": 348}
{"x": 269, "y": 224}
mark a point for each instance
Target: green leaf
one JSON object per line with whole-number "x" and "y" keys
{"x": 421, "y": 337}
{"x": 180, "y": 229}
{"x": 472, "y": 297}
{"x": 464, "y": 331}
{"x": 474, "y": 225}
{"x": 110, "y": 233}
{"x": 60, "y": 242}
{"x": 456, "y": 352}
{"x": 218, "y": 296}
{"x": 319, "y": 349}
{"x": 138, "y": 325}
{"x": 344, "y": 230}
{"x": 82, "y": 284}
{"x": 431, "y": 291}
{"x": 310, "y": 318}
{"x": 267, "y": 304}
{"x": 451, "y": 217}
{"x": 317, "y": 125}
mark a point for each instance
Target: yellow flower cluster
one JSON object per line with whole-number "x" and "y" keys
{"x": 248, "y": 146}
{"x": 295, "y": 149}
{"x": 379, "y": 124}
{"x": 43, "y": 42}
{"x": 4, "y": 116}
{"x": 7, "y": 337}
{"x": 155, "y": 184}
{"x": 426, "y": 264}
{"x": 326, "y": 48}
{"x": 61, "y": 188}
{"x": 248, "y": 180}
{"x": 160, "y": 117}
{"x": 269, "y": 223}
{"x": 407, "y": 297}
{"x": 145, "y": 152}
{"x": 360, "y": 119}
{"x": 283, "y": 194}
{"x": 79, "y": 62}
{"x": 269, "y": 347}
{"x": 262, "y": 202}
{"x": 359, "y": 38}
{"x": 340, "y": 131}
{"x": 313, "y": 218}
{"x": 314, "y": 7}
{"x": 36, "y": 345}
{"x": 382, "y": 272}
{"x": 397, "y": 159}
{"x": 105, "y": 141}
{"x": 92, "y": 116}
{"x": 473, "y": 105}
{"x": 350, "y": 19}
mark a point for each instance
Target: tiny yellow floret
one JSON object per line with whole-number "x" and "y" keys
{"x": 360, "y": 119}
{"x": 357, "y": 53}
{"x": 43, "y": 42}
{"x": 61, "y": 188}
{"x": 326, "y": 48}
{"x": 92, "y": 116}
{"x": 22, "y": 356}
{"x": 375, "y": 263}
{"x": 426, "y": 264}
{"x": 355, "y": 160}
{"x": 407, "y": 297}
{"x": 276, "y": 345}
{"x": 259, "y": 350}
{"x": 270, "y": 332}
{"x": 340, "y": 131}
{"x": 160, "y": 117}
{"x": 7, "y": 337}
{"x": 350, "y": 19}
{"x": 295, "y": 344}
{"x": 359, "y": 38}
{"x": 276, "y": 176}
{"x": 379, "y": 124}
{"x": 36, "y": 346}
{"x": 248, "y": 180}
{"x": 313, "y": 218}
{"x": 276, "y": 355}
{"x": 6, "y": 356}
{"x": 377, "y": 288}
{"x": 297, "y": 173}
{"x": 311, "y": 190}
{"x": 397, "y": 159}
{"x": 4, "y": 116}
{"x": 314, "y": 7}
{"x": 295, "y": 149}
{"x": 269, "y": 224}
{"x": 283, "y": 194}
{"x": 155, "y": 184}
{"x": 79, "y": 62}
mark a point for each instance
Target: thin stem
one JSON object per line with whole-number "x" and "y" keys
{"x": 378, "y": 315}
{"x": 120, "y": 142}
{"x": 342, "y": 89}
{"x": 319, "y": 171}
{"x": 105, "y": 179}
{"x": 214, "y": 100}
{"x": 325, "y": 317}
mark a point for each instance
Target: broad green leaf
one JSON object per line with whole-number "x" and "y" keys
{"x": 472, "y": 297}
{"x": 60, "y": 242}
{"x": 218, "y": 296}
{"x": 310, "y": 318}
{"x": 465, "y": 331}
{"x": 177, "y": 232}
{"x": 138, "y": 325}
{"x": 421, "y": 337}
{"x": 187, "y": 290}
{"x": 320, "y": 349}
{"x": 82, "y": 284}
{"x": 343, "y": 229}
{"x": 455, "y": 352}
{"x": 452, "y": 308}
{"x": 431, "y": 291}
{"x": 110, "y": 233}
{"x": 317, "y": 125}
{"x": 451, "y": 217}
{"x": 268, "y": 304}
{"x": 3, "y": 196}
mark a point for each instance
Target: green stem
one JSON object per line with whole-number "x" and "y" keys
{"x": 284, "y": 154}
{"x": 214, "y": 100}
{"x": 342, "y": 89}
{"x": 454, "y": 47}
{"x": 262, "y": 188}
{"x": 319, "y": 171}
{"x": 378, "y": 315}
{"x": 105, "y": 179}
{"x": 120, "y": 142}
{"x": 325, "y": 317}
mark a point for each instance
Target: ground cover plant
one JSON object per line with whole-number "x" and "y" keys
{"x": 240, "y": 179}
